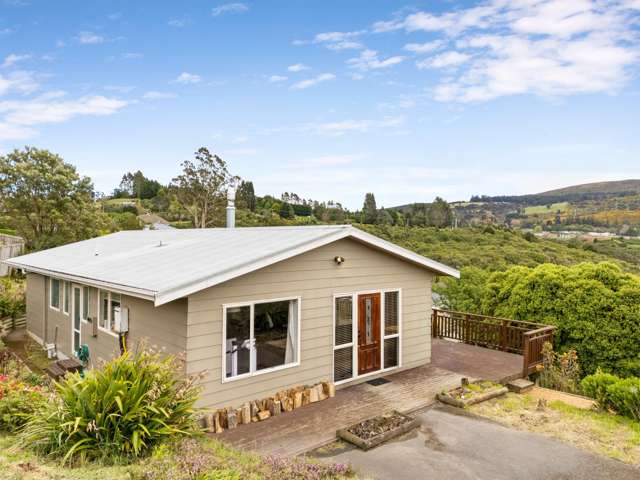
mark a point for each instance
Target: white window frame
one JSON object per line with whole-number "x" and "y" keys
{"x": 71, "y": 316}
{"x": 51, "y": 305}
{"x": 354, "y": 343}
{"x": 252, "y": 372}
{"x": 99, "y": 317}
{"x": 85, "y": 289}
{"x": 66, "y": 290}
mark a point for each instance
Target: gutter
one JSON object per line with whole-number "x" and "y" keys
{"x": 114, "y": 287}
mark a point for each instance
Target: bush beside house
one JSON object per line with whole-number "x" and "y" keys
{"x": 614, "y": 393}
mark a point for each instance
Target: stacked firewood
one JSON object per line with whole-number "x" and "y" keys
{"x": 259, "y": 410}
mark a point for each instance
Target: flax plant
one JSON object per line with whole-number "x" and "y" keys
{"x": 116, "y": 412}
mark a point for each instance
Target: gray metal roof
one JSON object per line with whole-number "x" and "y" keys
{"x": 163, "y": 265}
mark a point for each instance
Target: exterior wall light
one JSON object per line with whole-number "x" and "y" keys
{"x": 339, "y": 260}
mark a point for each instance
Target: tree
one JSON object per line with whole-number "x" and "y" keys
{"x": 286, "y": 211}
{"x": 136, "y": 185}
{"x": 384, "y": 217}
{"x": 369, "y": 209}
{"x": 593, "y": 306}
{"x": 45, "y": 199}
{"x": 246, "y": 196}
{"x": 439, "y": 213}
{"x": 201, "y": 188}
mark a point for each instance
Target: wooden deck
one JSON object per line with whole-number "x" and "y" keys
{"x": 296, "y": 432}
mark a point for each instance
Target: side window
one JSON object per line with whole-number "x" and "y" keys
{"x": 54, "y": 294}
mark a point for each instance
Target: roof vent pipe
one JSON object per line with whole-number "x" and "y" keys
{"x": 231, "y": 209}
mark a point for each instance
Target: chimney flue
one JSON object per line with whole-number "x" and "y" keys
{"x": 231, "y": 208}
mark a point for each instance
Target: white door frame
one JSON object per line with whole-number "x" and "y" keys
{"x": 73, "y": 312}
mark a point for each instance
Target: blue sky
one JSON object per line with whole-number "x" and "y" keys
{"x": 330, "y": 99}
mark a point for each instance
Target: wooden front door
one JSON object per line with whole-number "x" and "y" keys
{"x": 368, "y": 333}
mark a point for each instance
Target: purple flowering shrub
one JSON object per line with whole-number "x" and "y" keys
{"x": 203, "y": 459}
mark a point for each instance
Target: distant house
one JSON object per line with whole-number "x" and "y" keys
{"x": 10, "y": 246}
{"x": 258, "y": 309}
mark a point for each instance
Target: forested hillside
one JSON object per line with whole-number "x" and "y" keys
{"x": 498, "y": 249}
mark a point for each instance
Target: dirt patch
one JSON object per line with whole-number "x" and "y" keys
{"x": 597, "y": 432}
{"x": 431, "y": 440}
{"x": 553, "y": 395}
{"x": 29, "y": 351}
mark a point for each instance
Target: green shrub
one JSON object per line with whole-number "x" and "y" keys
{"x": 12, "y": 297}
{"x": 597, "y": 385}
{"x": 117, "y": 412}
{"x": 18, "y": 400}
{"x": 624, "y": 396}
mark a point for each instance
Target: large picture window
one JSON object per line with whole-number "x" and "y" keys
{"x": 260, "y": 337}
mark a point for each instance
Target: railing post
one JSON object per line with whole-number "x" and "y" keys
{"x": 526, "y": 348}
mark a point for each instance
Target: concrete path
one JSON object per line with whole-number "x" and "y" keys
{"x": 454, "y": 445}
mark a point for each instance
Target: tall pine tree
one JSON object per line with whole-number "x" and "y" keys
{"x": 369, "y": 209}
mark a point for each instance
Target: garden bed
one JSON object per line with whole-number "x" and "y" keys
{"x": 374, "y": 431}
{"x": 471, "y": 393}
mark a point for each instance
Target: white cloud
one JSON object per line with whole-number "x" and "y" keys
{"x": 338, "y": 40}
{"x": 120, "y": 88}
{"x": 154, "y": 95}
{"x": 313, "y": 81}
{"x": 240, "y": 139}
{"x": 369, "y": 60}
{"x": 540, "y": 47}
{"x": 132, "y": 55}
{"x": 178, "y": 22}
{"x": 298, "y": 67}
{"x": 277, "y": 78}
{"x": 444, "y": 60}
{"x": 426, "y": 47}
{"x": 13, "y": 58}
{"x": 358, "y": 126}
{"x": 89, "y": 38}
{"x": 19, "y": 81}
{"x": 229, "y": 8}
{"x": 15, "y": 132}
{"x": 188, "y": 78}
{"x": 332, "y": 160}
{"x": 114, "y": 16}
{"x": 19, "y": 116}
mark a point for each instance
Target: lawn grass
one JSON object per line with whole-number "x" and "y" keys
{"x": 17, "y": 463}
{"x": 542, "y": 209}
{"x": 602, "y": 433}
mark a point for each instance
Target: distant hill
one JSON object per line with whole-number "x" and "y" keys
{"x": 614, "y": 187}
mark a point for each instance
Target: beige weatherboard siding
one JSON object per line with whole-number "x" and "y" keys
{"x": 163, "y": 327}
{"x": 314, "y": 278}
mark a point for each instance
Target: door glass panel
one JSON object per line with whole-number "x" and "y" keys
{"x": 344, "y": 320}
{"x": 274, "y": 326}
{"x": 76, "y": 340}
{"x": 368, "y": 320}
{"x": 76, "y": 308}
{"x": 391, "y": 307}
{"x": 391, "y": 352}
{"x": 238, "y": 343}
{"x": 342, "y": 364}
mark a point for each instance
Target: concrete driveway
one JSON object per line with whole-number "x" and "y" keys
{"x": 454, "y": 445}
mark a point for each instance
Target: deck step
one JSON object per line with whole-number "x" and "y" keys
{"x": 520, "y": 385}
{"x": 69, "y": 365}
{"x": 55, "y": 371}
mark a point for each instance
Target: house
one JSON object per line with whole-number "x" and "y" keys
{"x": 258, "y": 309}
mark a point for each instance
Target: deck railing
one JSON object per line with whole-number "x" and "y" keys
{"x": 514, "y": 336}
